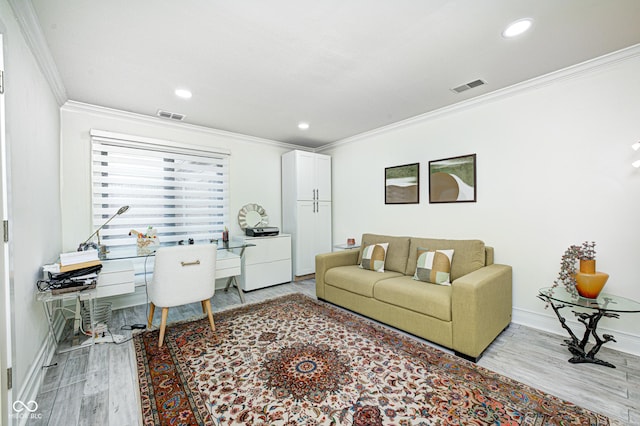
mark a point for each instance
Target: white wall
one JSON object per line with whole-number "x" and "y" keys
{"x": 32, "y": 130}
{"x": 254, "y": 163}
{"x": 553, "y": 169}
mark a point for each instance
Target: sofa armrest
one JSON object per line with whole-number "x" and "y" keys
{"x": 326, "y": 261}
{"x": 481, "y": 305}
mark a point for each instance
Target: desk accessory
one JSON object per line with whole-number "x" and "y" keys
{"x": 262, "y": 232}
{"x": 65, "y": 282}
{"x": 146, "y": 243}
{"x": 102, "y": 249}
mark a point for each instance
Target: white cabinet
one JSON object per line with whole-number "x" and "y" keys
{"x": 311, "y": 175}
{"x": 306, "y": 207}
{"x": 266, "y": 264}
{"x": 313, "y": 235}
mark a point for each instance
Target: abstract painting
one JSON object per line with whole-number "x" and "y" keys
{"x": 402, "y": 184}
{"x": 453, "y": 180}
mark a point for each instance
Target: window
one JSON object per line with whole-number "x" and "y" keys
{"x": 181, "y": 191}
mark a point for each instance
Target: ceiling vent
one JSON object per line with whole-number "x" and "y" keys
{"x": 170, "y": 115}
{"x": 468, "y": 86}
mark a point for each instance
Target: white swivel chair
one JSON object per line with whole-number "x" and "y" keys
{"x": 182, "y": 275}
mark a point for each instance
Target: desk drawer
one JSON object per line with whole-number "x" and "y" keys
{"x": 116, "y": 277}
{"x": 227, "y": 264}
{"x": 268, "y": 249}
{"x": 266, "y": 274}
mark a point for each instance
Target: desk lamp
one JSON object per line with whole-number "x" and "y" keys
{"x": 102, "y": 250}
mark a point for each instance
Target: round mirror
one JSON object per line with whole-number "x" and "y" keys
{"x": 252, "y": 216}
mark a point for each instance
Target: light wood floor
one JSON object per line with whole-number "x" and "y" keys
{"x": 97, "y": 385}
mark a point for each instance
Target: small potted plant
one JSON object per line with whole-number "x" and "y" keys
{"x": 585, "y": 282}
{"x": 587, "y": 257}
{"x": 567, "y": 274}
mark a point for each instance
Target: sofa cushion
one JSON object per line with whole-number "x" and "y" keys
{"x": 397, "y": 252}
{"x": 469, "y": 254}
{"x": 355, "y": 279}
{"x": 434, "y": 266}
{"x": 425, "y": 298}
{"x": 373, "y": 257}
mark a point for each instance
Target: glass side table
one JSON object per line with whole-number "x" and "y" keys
{"x": 606, "y": 305}
{"x": 347, "y": 246}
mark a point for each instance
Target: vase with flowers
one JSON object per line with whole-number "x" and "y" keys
{"x": 585, "y": 281}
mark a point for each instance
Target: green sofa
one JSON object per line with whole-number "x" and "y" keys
{"x": 465, "y": 316}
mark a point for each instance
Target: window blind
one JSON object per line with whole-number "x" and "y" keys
{"x": 180, "y": 191}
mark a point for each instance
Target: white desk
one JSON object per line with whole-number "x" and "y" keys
{"x": 117, "y": 277}
{"x": 228, "y": 265}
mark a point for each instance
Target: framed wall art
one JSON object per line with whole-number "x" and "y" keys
{"x": 453, "y": 180}
{"x": 402, "y": 184}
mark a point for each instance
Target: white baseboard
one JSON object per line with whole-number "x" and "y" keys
{"x": 625, "y": 342}
{"x": 35, "y": 376}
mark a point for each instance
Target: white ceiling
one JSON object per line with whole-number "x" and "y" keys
{"x": 259, "y": 67}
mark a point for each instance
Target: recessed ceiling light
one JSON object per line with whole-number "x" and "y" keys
{"x": 518, "y": 27}
{"x": 303, "y": 126}
{"x": 183, "y": 93}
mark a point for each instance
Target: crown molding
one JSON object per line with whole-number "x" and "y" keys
{"x": 32, "y": 32}
{"x": 571, "y": 72}
{"x": 74, "y": 106}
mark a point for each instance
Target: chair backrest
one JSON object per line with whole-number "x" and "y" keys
{"x": 183, "y": 274}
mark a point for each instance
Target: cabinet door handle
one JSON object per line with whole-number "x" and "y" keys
{"x": 317, "y": 194}
{"x": 317, "y": 207}
{"x": 314, "y": 206}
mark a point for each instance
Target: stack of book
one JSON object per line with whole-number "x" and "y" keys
{"x": 75, "y": 260}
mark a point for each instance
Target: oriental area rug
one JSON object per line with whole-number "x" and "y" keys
{"x": 298, "y": 361}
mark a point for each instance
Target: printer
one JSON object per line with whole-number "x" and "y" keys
{"x": 262, "y": 232}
